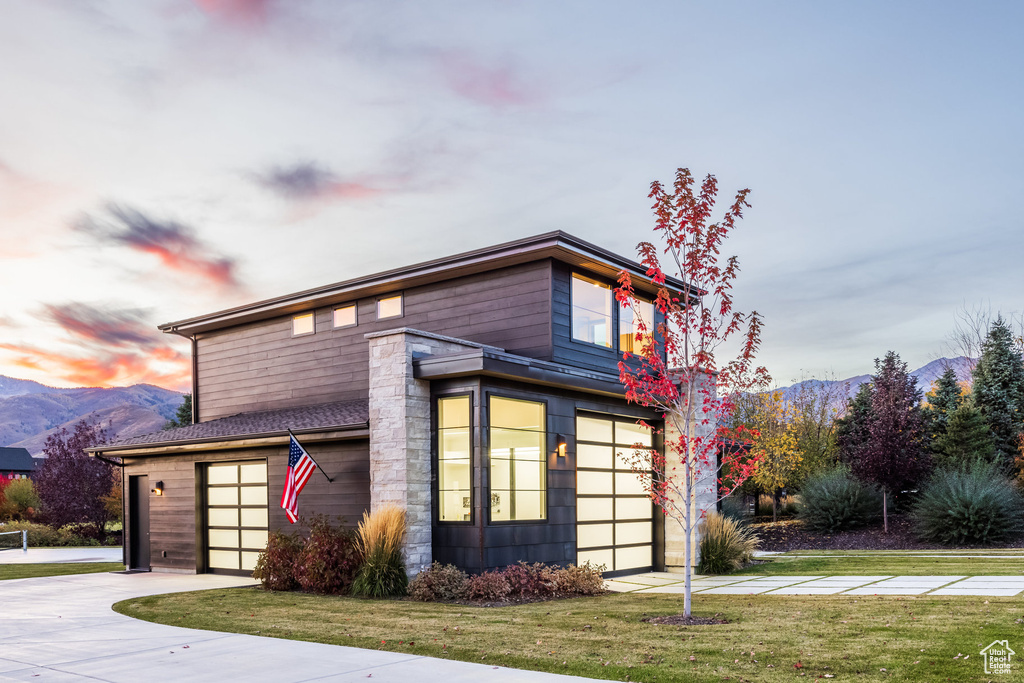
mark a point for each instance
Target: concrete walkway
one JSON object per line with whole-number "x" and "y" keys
{"x": 61, "y": 555}
{"x": 61, "y": 628}
{"x": 664, "y": 582}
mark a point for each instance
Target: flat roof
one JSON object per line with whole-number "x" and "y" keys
{"x": 558, "y": 245}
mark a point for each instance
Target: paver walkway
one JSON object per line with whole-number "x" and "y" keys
{"x": 61, "y": 628}
{"x": 665, "y": 582}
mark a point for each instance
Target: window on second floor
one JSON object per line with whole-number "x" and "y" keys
{"x": 592, "y": 303}
{"x": 345, "y": 316}
{"x": 629, "y": 328}
{"x": 389, "y": 307}
{"x": 303, "y": 324}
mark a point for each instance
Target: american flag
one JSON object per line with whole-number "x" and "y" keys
{"x": 300, "y": 469}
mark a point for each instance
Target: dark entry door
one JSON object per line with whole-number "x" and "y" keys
{"x": 138, "y": 517}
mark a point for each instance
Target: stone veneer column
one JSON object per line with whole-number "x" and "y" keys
{"x": 705, "y": 492}
{"x": 400, "y": 431}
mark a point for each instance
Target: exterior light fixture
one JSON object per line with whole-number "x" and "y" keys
{"x": 159, "y": 488}
{"x": 561, "y": 445}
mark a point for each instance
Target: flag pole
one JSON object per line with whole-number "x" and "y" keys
{"x": 310, "y": 456}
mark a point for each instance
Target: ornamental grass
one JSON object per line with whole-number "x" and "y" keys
{"x": 379, "y": 540}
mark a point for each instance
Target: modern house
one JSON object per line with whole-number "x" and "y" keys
{"x": 17, "y": 463}
{"x": 479, "y": 391}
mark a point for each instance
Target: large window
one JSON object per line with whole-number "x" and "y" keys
{"x": 629, "y": 328}
{"x": 454, "y": 459}
{"x": 591, "y": 311}
{"x": 518, "y": 456}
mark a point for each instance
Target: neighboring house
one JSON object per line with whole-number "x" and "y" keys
{"x": 479, "y": 392}
{"x": 17, "y": 463}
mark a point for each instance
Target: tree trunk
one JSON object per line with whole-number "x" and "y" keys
{"x": 885, "y": 511}
{"x": 775, "y": 506}
{"x": 688, "y": 532}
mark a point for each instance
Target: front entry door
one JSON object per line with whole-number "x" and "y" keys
{"x": 138, "y": 519}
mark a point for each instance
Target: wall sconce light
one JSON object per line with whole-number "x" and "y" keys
{"x": 158, "y": 488}
{"x": 561, "y": 445}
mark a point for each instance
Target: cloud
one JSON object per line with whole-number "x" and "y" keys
{"x": 108, "y": 326}
{"x": 174, "y": 244}
{"x": 240, "y": 13}
{"x": 164, "y": 366}
{"x": 496, "y": 85}
{"x": 308, "y": 180}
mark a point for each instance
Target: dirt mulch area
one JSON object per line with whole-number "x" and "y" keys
{"x": 680, "y": 620}
{"x": 790, "y": 535}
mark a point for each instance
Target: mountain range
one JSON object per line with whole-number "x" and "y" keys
{"x": 925, "y": 376}
{"x": 30, "y": 411}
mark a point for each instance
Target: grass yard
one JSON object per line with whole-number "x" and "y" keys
{"x": 28, "y": 571}
{"x": 767, "y": 639}
{"x": 892, "y": 563}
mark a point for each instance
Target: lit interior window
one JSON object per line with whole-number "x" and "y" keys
{"x": 390, "y": 307}
{"x": 629, "y": 328}
{"x": 303, "y": 324}
{"x": 591, "y": 311}
{"x": 518, "y": 471}
{"x": 345, "y": 316}
{"x": 454, "y": 459}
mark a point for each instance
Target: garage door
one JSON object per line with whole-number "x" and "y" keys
{"x": 236, "y": 515}
{"x": 613, "y": 511}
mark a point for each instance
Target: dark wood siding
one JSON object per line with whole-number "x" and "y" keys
{"x": 481, "y": 545}
{"x": 175, "y": 526}
{"x": 564, "y": 348}
{"x": 261, "y": 366}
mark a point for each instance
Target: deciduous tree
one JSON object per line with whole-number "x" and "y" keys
{"x": 678, "y": 374}
{"x": 71, "y": 485}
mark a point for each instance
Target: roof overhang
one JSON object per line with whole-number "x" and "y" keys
{"x": 556, "y": 245}
{"x": 222, "y": 443}
{"x": 491, "y": 363}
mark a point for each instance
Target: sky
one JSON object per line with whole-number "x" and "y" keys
{"x": 161, "y": 159}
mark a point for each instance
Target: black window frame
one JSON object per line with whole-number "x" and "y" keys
{"x": 485, "y": 467}
{"x": 435, "y": 432}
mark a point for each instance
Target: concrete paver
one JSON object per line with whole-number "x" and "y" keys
{"x": 61, "y": 628}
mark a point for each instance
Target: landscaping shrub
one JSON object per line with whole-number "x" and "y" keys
{"x": 969, "y": 504}
{"x": 724, "y": 545}
{"x": 583, "y": 580}
{"x": 329, "y": 559}
{"x": 833, "y": 500}
{"x": 440, "y": 582}
{"x": 489, "y": 586}
{"x": 526, "y": 580}
{"x": 43, "y": 536}
{"x": 380, "y": 543}
{"x": 18, "y": 499}
{"x": 275, "y": 568}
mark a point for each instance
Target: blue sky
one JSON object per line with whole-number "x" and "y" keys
{"x": 160, "y": 159}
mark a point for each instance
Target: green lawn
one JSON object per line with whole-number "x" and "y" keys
{"x": 893, "y": 563}
{"x": 27, "y": 571}
{"x": 873, "y": 638}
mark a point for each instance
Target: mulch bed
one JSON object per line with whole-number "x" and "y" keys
{"x": 680, "y": 620}
{"x": 790, "y": 535}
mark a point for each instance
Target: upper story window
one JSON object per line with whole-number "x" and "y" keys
{"x": 303, "y": 324}
{"x": 389, "y": 307}
{"x": 518, "y": 458}
{"x": 629, "y": 328}
{"x": 345, "y": 316}
{"x": 591, "y": 311}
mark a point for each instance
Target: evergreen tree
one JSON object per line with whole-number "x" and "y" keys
{"x": 183, "y": 416}
{"x": 882, "y": 437}
{"x": 942, "y": 403}
{"x": 999, "y": 391}
{"x": 966, "y": 438}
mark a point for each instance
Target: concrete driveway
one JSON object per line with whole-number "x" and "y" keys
{"x": 61, "y": 628}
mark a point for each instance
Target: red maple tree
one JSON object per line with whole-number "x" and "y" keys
{"x": 676, "y": 371}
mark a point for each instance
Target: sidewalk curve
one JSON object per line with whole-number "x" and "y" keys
{"x": 61, "y": 628}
